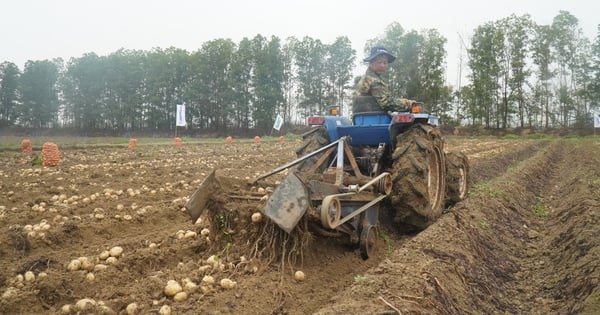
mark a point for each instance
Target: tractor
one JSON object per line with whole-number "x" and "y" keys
{"x": 347, "y": 170}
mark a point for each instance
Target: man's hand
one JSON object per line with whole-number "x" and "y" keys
{"x": 408, "y": 103}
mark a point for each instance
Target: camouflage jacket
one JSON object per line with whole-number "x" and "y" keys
{"x": 372, "y": 84}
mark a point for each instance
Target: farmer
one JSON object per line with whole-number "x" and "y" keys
{"x": 372, "y": 84}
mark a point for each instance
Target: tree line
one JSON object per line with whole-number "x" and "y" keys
{"x": 521, "y": 74}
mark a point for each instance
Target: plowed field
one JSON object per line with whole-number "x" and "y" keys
{"x": 525, "y": 241}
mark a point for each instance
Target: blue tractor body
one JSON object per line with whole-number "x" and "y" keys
{"x": 371, "y": 128}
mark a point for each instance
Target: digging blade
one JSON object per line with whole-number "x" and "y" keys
{"x": 197, "y": 203}
{"x": 288, "y": 203}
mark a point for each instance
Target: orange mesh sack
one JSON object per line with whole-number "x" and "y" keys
{"x": 26, "y": 146}
{"x": 177, "y": 142}
{"x": 132, "y": 144}
{"x": 50, "y": 154}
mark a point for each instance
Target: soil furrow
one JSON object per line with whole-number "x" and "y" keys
{"x": 497, "y": 251}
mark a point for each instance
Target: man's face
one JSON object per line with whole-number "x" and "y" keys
{"x": 379, "y": 65}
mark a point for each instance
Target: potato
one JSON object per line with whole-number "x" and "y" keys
{"x": 132, "y": 309}
{"x": 180, "y": 297}
{"x": 165, "y": 310}
{"x": 74, "y": 265}
{"x": 116, "y": 251}
{"x": 227, "y": 283}
{"x": 209, "y": 280}
{"x": 256, "y": 217}
{"x": 173, "y": 287}
{"x": 299, "y": 275}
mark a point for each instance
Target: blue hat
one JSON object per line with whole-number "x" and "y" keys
{"x": 379, "y": 50}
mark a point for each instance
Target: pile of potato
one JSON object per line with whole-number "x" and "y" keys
{"x": 132, "y": 144}
{"x": 26, "y": 146}
{"x": 50, "y": 154}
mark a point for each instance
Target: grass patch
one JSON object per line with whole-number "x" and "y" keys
{"x": 486, "y": 188}
{"x": 511, "y": 136}
{"x": 387, "y": 241}
{"x": 540, "y": 209}
{"x": 538, "y": 136}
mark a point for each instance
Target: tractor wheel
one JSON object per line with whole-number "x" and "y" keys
{"x": 418, "y": 177}
{"x": 313, "y": 140}
{"x": 457, "y": 177}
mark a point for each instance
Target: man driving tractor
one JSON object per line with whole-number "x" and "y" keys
{"x": 372, "y": 84}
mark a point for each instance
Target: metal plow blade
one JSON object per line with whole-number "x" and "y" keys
{"x": 288, "y": 203}
{"x": 197, "y": 203}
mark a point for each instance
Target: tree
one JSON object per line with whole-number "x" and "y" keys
{"x": 9, "y": 93}
{"x": 431, "y": 73}
{"x": 519, "y": 30}
{"x": 595, "y": 72}
{"x": 83, "y": 87}
{"x": 567, "y": 35}
{"x": 267, "y": 79}
{"x": 211, "y": 83}
{"x": 167, "y": 78}
{"x": 485, "y": 73}
{"x": 312, "y": 82}
{"x": 340, "y": 59}
{"x": 289, "y": 78}
{"x": 543, "y": 58}
{"x": 124, "y": 88}
{"x": 242, "y": 66}
{"x": 39, "y": 94}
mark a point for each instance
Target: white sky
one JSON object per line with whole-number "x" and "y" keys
{"x": 46, "y": 29}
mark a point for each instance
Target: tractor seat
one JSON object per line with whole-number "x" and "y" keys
{"x": 365, "y": 103}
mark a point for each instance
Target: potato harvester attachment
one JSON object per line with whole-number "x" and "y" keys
{"x": 331, "y": 192}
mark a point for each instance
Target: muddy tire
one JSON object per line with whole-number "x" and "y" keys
{"x": 418, "y": 177}
{"x": 457, "y": 177}
{"x": 312, "y": 140}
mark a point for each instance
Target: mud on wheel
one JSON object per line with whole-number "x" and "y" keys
{"x": 457, "y": 177}
{"x": 313, "y": 140}
{"x": 418, "y": 176}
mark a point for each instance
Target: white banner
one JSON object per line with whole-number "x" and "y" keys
{"x": 597, "y": 120}
{"x": 278, "y": 122}
{"x": 180, "y": 115}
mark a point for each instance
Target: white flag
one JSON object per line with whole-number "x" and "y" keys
{"x": 597, "y": 120}
{"x": 180, "y": 115}
{"x": 278, "y": 122}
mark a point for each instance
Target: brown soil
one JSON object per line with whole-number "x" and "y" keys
{"x": 524, "y": 242}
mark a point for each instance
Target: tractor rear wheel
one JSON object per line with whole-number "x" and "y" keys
{"x": 457, "y": 177}
{"x": 313, "y": 140}
{"x": 418, "y": 177}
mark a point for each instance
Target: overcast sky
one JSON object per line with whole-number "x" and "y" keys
{"x": 46, "y": 29}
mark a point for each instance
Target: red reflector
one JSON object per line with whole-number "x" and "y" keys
{"x": 404, "y": 118}
{"x": 316, "y": 120}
